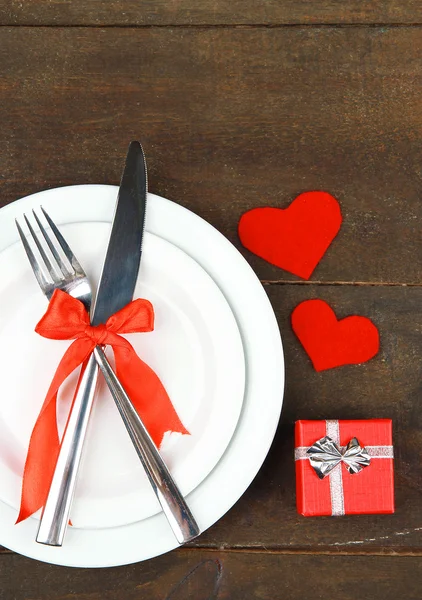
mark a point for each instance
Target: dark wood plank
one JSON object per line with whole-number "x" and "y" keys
{"x": 388, "y": 386}
{"x": 230, "y": 119}
{"x": 207, "y": 12}
{"x": 198, "y": 575}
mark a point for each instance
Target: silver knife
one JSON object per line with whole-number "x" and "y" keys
{"x": 117, "y": 284}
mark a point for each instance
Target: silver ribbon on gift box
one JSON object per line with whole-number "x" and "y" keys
{"x": 326, "y": 457}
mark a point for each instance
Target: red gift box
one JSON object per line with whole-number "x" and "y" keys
{"x": 330, "y": 446}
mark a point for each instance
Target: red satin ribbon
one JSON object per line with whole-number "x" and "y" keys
{"x": 65, "y": 319}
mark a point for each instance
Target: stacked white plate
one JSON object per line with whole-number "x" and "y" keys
{"x": 216, "y": 347}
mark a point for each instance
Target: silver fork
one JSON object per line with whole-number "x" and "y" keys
{"x": 72, "y": 279}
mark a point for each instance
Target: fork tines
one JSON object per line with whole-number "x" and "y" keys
{"x": 59, "y": 263}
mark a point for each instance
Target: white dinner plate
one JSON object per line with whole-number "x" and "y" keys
{"x": 195, "y": 349}
{"x": 261, "y": 407}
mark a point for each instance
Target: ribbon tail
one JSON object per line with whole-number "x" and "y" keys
{"x": 44, "y": 444}
{"x": 147, "y": 394}
{"x": 40, "y": 461}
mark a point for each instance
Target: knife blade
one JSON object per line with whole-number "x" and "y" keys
{"x": 121, "y": 265}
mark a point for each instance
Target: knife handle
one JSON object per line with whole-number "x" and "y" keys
{"x": 172, "y": 502}
{"x": 55, "y": 514}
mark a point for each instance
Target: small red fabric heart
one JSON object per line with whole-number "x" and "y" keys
{"x": 330, "y": 342}
{"x": 296, "y": 238}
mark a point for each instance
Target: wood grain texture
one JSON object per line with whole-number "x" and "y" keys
{"x": 184, "y": 575}
{"x": 230, "y": 120}
{"x": 207, "y": 12}
{"x": 233, "y": 118}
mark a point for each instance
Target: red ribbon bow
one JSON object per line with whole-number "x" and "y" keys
{"x": 65, "y": 319}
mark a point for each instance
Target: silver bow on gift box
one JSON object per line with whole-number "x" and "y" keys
{"x": 325, "y": 455}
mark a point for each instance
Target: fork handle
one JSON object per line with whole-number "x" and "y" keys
{"x": 55, "y": 515}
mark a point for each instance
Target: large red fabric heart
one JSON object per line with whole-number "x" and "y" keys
{"x": 330, "y": 342}
{"x": 296, "y": 238}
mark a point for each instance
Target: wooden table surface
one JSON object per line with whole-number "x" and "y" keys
{"x": 242, "y": 104}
